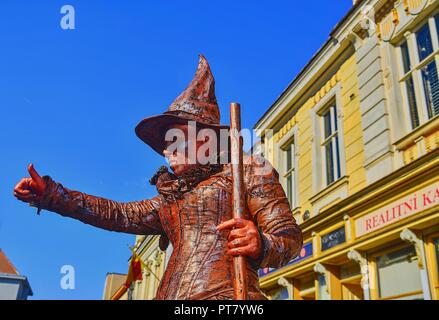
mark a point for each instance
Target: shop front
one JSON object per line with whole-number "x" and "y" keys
{"x": 382, "y": 244}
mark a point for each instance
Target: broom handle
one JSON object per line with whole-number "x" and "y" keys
{"x": 239, "y": 262}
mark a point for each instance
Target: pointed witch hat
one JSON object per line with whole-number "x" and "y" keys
{"x": 197, "y": 103}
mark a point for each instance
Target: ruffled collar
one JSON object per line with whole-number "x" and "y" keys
{"x": 172, "y": 187}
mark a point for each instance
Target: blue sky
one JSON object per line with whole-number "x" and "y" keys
{"x": 70, "y": 100}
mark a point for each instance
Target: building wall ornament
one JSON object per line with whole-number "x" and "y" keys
{"x": 285, "y": 129}
{"x": 158, "y": 258}
{"x": 409, "y": 236}
{"x": 284, "y": 282}
{"x": 359, "y": 258}
{"x": 387, "y": 27}
{"x": 320, "y": 269}
{"x": 327, "y": 87}
{"x": 414, "y": 7}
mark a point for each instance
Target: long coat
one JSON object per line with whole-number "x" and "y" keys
{"x": 198, "y": 267}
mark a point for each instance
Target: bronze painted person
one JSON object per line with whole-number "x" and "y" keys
{"x": 193, "y": 208}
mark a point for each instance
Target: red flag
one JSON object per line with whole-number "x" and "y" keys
{"x": 134, "y": 271}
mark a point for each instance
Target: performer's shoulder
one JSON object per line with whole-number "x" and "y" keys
{"x": 257, "y": 165}
{"x": 254, "y": 159}
{"x": 254, "y": 166}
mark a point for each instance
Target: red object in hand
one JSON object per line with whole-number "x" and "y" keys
{"x": 244, "y": 239}
{"x": 30, "y": 189}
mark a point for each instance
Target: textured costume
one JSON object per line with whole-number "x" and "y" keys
{"x": 198, "y": 267}
{"x": 188, "y": 208}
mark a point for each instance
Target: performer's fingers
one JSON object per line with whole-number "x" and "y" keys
{"x": 37, "y": 183}
{"x": 240, "y": 251}
{"x": 237, "y": 233}
{"x": 22, "y": 185}
{"x": 34, "y": 174}
{"x": 25, "y": 198}
{"x": 226, "y": 225}
{"x": 240, "y": 242}
{"x": 22, "y": 192}
{"x": 239, "y": 223}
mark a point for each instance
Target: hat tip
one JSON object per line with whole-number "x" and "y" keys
{"x": 202, "y": 59}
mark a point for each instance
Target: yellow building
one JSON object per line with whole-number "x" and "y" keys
{"x": 155, "y": 261}
{"x": 154, "y": 264}
{"x": 113, "y": 281}
{"x": 355, "y": 139}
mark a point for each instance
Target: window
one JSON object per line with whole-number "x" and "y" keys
{"x": 436, "y": 20}
{"x": 419, "y": 79}
{"x": 330, "y": 145}
{"x": 280, "y": 294}
{"x": 328, "y": 154}
{"x": 289, "y": 173}
{"x": 398, "y": 275}
{"x": 410, "y": 87}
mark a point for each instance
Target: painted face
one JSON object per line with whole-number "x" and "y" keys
{"x": 181, "y": 153}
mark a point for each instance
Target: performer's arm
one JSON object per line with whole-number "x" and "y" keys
{"x": 281, "y": 237}
{"x": 133, "y": 217}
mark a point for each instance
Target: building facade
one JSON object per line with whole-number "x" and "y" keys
{"x": 355, "y": 140}
{"x": 155, "y": 261}
{"x": 113, "y": 282}
{"x": 13, "y": 286}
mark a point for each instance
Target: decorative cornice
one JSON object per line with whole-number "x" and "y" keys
{"x": 318, "y": 61}
{"x": 285, "y": 129}
{"x": 328, "y": 86}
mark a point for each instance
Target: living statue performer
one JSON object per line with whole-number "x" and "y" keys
{"x": 193, "y": 208}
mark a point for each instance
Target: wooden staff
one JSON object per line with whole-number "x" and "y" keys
{"x": 239, "y": 262}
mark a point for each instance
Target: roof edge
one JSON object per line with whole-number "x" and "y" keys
{"x": 313, "y": 59}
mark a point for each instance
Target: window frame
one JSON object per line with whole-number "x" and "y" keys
{"x": 374, "y": 277}
{"x": 289, "y": 140}
{"x": 289, "y": 172}
{"x": 332, "y": 97}
{"x": 334, "y": 139}
{"x": 415, "y": 72}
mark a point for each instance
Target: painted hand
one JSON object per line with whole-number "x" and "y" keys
{"x": 243, "y": 239}
{"x": 30, "y": 189}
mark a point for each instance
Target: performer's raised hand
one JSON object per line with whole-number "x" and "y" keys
{"x": 243, "y": 239}
{"x": 30, "y": 189}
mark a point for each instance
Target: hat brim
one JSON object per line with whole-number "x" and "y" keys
{"x": 152, "y": 130}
